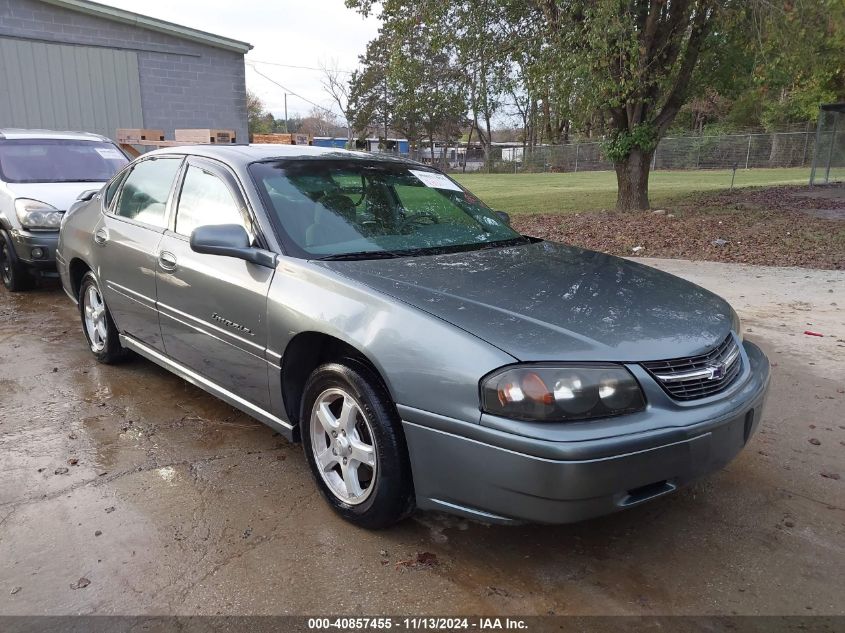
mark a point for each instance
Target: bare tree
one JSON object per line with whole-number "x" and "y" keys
{"x": 336, "y": 84}
{"x": 320, "y": 122}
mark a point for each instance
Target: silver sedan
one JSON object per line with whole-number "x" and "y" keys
{"x": 425, "y": 353}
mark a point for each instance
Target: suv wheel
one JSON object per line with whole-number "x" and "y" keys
{"x": 355, "y": 447}
{"x": 97, "y": 323}
{"x": 15, "y": 276}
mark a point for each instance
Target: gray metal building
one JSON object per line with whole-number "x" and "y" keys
{"x": 79, "y": 65}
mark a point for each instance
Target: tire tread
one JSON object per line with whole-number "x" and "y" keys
{"x": 393, "y": 500}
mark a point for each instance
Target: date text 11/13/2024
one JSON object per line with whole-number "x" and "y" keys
{"x": 418, "y": 624}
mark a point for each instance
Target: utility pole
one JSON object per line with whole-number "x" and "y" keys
{"x": 286, "y": 113}
{"x": 385, "y": 110}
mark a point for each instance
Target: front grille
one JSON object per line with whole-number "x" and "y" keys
{"x": 698, "y": 376}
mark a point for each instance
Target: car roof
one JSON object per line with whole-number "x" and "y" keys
{"x": 19, "y": 133}
{"x": 246, "y": 154}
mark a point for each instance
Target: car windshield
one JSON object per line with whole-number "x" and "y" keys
{"x": 58, "y": 160}
{"x": 344, "y": 209}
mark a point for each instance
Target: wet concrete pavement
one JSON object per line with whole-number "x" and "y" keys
{"x": 175, "y": 503}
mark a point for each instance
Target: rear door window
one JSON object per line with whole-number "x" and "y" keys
{"x": 146, "y": 190}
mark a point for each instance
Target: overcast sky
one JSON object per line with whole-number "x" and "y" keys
{"x": 293, "y": 32}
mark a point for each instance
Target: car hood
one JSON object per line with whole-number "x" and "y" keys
{"x": 58, "y": 194}
{"x": 548, "y": 301}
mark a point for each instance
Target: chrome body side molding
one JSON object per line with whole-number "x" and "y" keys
{"x": 275, "y": 423}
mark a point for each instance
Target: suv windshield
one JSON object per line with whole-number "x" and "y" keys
{"x": 58, "y": 160}
{"x": 338, "y": 209}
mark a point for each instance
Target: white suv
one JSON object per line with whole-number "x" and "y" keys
{"x": 42, "y": 173}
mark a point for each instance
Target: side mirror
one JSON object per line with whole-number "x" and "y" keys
{"x": 504, "y": 217}
{"x": 85, "y": 196}
{"x": 229, "y": 240}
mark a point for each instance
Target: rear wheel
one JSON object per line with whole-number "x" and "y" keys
{"x": 97, "y": 323}
{"x": 355, "y": 447}
{"x": 15, "y": 275}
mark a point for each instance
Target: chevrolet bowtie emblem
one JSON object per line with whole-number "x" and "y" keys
{"x": 717, "y": 372}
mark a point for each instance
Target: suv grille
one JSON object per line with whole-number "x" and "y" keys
{"x": 698, "y": 376}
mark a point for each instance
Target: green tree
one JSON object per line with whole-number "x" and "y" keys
{"x": 370, "y": 105}
{"x": 798, "y": 50}
{"x": 426, "y": 85}
{"x": 258, "y": 119}
{"x": 621, "y": 69}
{"x": 476, "y": 28}
{"x": 634, "y": 61}
{"x": 409, "y": 80}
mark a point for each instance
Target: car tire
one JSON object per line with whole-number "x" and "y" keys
{"x": 371, "y": 495}
{"x": 97, "y": 323}
{"x": 15, "y": 275}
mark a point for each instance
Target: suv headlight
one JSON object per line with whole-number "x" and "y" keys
{"x": 34, "y": 214}
{"x": 561, "y": 393}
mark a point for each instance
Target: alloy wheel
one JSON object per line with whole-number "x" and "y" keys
{"x": 344, "y": 446}
{"x": 95, "y": 319}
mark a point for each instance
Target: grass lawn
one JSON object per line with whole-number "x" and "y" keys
{"x": 595, "y": 190}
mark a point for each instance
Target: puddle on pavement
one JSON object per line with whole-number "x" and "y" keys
{"x": 224, "y": 514}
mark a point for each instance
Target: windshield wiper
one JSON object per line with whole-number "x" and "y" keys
{"x": 432, "y": 250}
{"x": 514, "y": 241}
{"x": 358, "y": 255}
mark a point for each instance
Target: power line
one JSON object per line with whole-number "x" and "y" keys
{"x": 257, "y": 61}
{"x": 289, "y": 91}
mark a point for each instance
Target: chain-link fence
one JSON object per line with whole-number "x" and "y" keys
{"x": 794, "y": 147}
{"x": 829, "y": 158}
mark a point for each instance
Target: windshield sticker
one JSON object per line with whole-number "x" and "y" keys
{"x": 109, "y": 153}
{"x": 435, "y": 181}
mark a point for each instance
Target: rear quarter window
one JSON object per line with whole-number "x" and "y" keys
{"x": 112, "y": 189}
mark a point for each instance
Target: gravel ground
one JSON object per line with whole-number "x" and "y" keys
{"x": 124, "y": 490}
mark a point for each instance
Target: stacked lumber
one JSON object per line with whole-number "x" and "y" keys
{"x": 129, "y": 138}
{"x": 135, "y": 136}
{"x": 203, "y": 136}
{"x": 281, "y": 139}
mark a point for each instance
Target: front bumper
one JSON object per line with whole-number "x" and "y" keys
{"x": 490, "y": 475}
{"x": 28, "y": 243}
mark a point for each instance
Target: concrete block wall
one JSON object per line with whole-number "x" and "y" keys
{"x": 184, "y": 84}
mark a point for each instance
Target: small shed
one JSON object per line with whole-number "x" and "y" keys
{"x": 329, "y": 141}
{"x": 372, "y": 144}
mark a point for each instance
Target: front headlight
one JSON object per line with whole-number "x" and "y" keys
{"x": 561, "y": 393}
{"x": 34, "y": 214}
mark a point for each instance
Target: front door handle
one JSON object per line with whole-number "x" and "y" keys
{"x": 167, "y": 261}
{"x": 101, "y": 236}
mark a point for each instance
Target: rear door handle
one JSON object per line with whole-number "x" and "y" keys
{"x": 101, "y": 236}
{"x": 167, "y": 261}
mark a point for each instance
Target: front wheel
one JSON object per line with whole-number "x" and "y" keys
{"x": 15, "y": 275}
{"x": 97, "y": 323}
{"x": 355, "y": 447}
